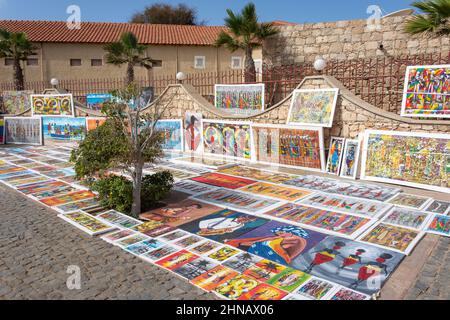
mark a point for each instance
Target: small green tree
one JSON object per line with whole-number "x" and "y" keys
{"x": 17, "y": 47}
{"x": 128, "y": 139}
{"x": 246, "y": 33}
{"x": 434, "y": 18}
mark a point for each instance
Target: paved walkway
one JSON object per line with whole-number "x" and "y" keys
{"x": 36, "y": 248}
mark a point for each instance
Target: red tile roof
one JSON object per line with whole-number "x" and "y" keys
{"x": 106, "y": 32}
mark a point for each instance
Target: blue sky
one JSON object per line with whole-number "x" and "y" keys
{"x": 212, "y": 11}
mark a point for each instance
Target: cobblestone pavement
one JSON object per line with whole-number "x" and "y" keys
{"x": 36, "y": 247}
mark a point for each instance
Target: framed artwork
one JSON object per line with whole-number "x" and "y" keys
{"x": 192, "y": 131}
{"x": 95, "y": 101}
{"x": 16, "y": 102}
{"x": 2, "y": 131}
{"x": 396, "y": 238}
{"x": 439, "y": 207}
{"x": 223, "y": 180}
{"x": 86, "y": 222}
{"x": 172, "y": 130}
{"x": 413, "y": 159}
{"x": 313, "y": 107}
{"x": 439, "y": 224}
{"x": 425, "y": 92}
{"x": 227, "y": 138}
{"x": 407, "y": 218}
{"x": 23, "y": 130}
{"x": 360, "y": 266}
{"x": 290, "y": 146}
{"x": 56, "y": 105}
{"x": 239, "y": 99}
{"x": 350, "y": 159}
{"x": 63, "y": 129}
{"x": 335, "y": 154}
{"x": 410, "y": 201}
{"x": 276, "y": 191}
{"x": 94, "y": 122}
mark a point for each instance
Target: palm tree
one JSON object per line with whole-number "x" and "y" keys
{"x": 245, "y": 33}
{"x": 128, "y": 51}
{"x": 17, "y": 47}
{"x": 433, "y": 20}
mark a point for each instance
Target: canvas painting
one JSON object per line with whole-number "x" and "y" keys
{"x": 192, "y": 131}
{"x": 300, "y": 147}
{"x": 174, "y": 235}
{"x": 144, "y": 246}
{"x": 172, "y": 131}
{"x": 342, "y": 293}
{"x": 95, "y": 101}
{"x": 211, "y": 279}
{"x": 204, "y": 247}
{"x": 264, "y": 270}
{"x": 350, "y": 159}
{"x": 313, "y": 107}
{"x": 16, "y": 102}
{"x": 408, "y": 218}
{"x": 315, "y": 288}
{"x": 94, "y": 122}
{"x": 276, "y": 191}
{"x": 152, "y": 228}
{"x": 239, "y": 99}
{"x": 191, "y": 187}
{"x": 425, "y": 92}
{"x": 117, "y": 235}
{"x": 242, "y": 261}
{"x": 410, "y": 201}
{"x": 178, "y": 213}
{"x": 223, "y": 253}
{"x": 359, "y": 266}
{"x": 188, "y": 241}
{"x": 158, "y": 254}
{"x": 195, "y": 268}
{"x": 86, "y": 222}
{"x": 52, "y": 105}
{"x": 226, "y": 138}
{"x": 223, "y": 225}
{"x": 438, "y": 206}
{"x": 63, "y": 129}
{"x": 420, "y": 160}
{"x": 42, "y": 186}
{"x": 256, "y": 174}
{"x": 60, "y": 190}
{"x": 235, "y": 287}
{"x": 66, "y": 198}
{"x": 176, "y": 260}
{"x": 238, "y": 201}
{"x": 439, "y": 225}
{"x": 397, "y": 238}
{"x": 335, "y": 154}
{"x": 338, "y": 203}
{"x": 118, "y": 219}
{"x": 264, "y": 292}
{"x": 289, "y": 279}
{"x": 223, "y": 180}
{"x": 127, "y": 241}
{"x": 23, "y": 130}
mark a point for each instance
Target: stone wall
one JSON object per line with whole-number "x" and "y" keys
{"x": 347, "y": 40}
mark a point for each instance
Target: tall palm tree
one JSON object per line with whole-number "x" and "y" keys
{"x": 434, "y": 18}
{"x": 16, "y": 46}
{"x": 128, "y": 51}
{"x": 246, "y": 33}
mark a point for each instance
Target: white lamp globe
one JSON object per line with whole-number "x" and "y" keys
{"x": 54, "y": 82}
{"x": 181, "y": 76}
{"x": 320, "y": 64}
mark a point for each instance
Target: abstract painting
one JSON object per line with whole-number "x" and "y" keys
{"x": 223, "y": 180}
{"x": 335, "y": 154}
{"x": 275, "y": 191}
{"x": 192, "y": 131}
{"x": 95, "y": 101}
{"x": 289, "y": 146}
{"x": 52, "y": 105}
{"x": 23, "y": 130}
{"x": 63, "y": 129}
{"x": 359, "y": 266}
{"x": 439, "y": 225}
{"x": 239, "y": 99}
{"x": 350, "y": 159}
{"x": 313, "y": 107}
{"x": 414, "y": 159}
{"x": 16, "y": 102}
{"x": 425, "y": 92}
{"x": 172, "y": 131}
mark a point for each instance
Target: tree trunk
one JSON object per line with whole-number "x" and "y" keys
{"x": 18, "y": 76}
{"x": 250, "y": 72}
{"x": 130, "y": 73}
{"x": 137, "y": 186}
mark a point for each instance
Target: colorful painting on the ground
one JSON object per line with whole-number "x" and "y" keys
{"x": 118, "y": 219}
{"x": 66, "y": 198}
{"x": 153, "y": 228}
{"x": 419, "y": 160}
{"x": 226, "y": 138}
{"x": 408, "y": 218}
{"x": 192, "y": 131}
{"x": 172, "y": 131}
{"x": 242, "y": 261}
{"x": 289, "y": 279}
{"x": 191, "y": 187}
{"x": 213, "y": 278}
{"x": 440, "y": 225}
{"x": 264, "y": 270}
{"x": 397, "y": 238}
{"x": 223, "y": 180}
{"x": 410, "y": 201}
{"x": 313, "y": 107}
{"x": 425, "y": 92}
{"x": 335, "y": 154}
{"x": 86, "y": 222}
{"x": 438, "y": 206}
{"x": 235, "y": 287}
{"x": 63, "y": 129}
{"x": 23, "y": 130}
{"x": 345, "y": 204}
{"x": 264, "y": 292}
{"x": 342, "y": 293}
{"x": 356, "y": 265}
{"x": 94, "y": 122}
{"x": 79, "y": 205}
{"x": 95, "y": 101}
{"x": 276, "y": 191}
{"x": 177, "y": 213}
{"x": 223, "y": 253}
{"x": 223, "y": 225}
{"x": 176, "y": 260}
{"x": 256, "y": 174}
{"x": 52, "y": 105}
{"x": 350, "y": 159}
{"x": 195, "y": 268}
{"x": 238, "y": 200}
{"x": 239, "y": 99}
{"x": 16, "y": 102}
{"x": 289, "y": 146}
